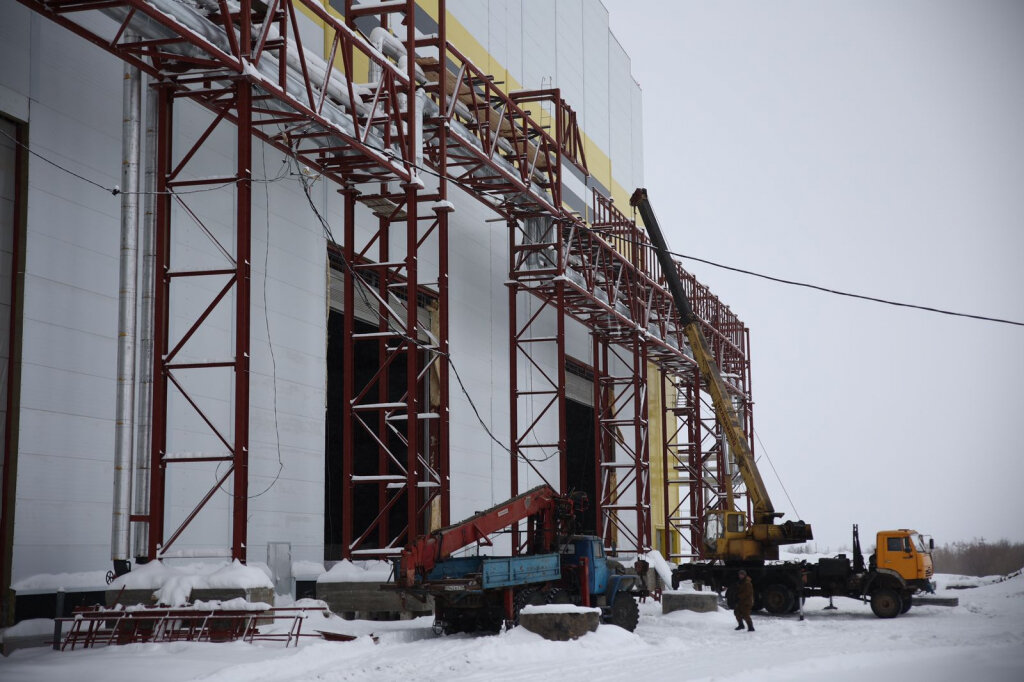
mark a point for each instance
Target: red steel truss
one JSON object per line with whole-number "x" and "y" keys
{"x": 246, "y": 64}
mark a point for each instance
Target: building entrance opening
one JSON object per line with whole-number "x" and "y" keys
{"x": 369, "y": 458}
{"x": 581, "y": 461}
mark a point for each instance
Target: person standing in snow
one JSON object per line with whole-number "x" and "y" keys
{"x": 744, "y": 601}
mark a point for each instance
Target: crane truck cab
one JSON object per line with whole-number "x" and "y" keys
{"x": 900, "y": 567}
{"x": 906, "y": 554}
{"x": 727, "y": 536}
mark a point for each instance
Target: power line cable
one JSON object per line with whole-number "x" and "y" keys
{"x": 764, "y": 450}
{"x": 116, "y": 190}
{"x": 862, "y": 297}
{"x": 816, "y": 287}
{"x": 266, "y": 319}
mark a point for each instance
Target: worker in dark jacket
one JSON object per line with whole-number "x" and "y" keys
{"x": 744, "y": 601}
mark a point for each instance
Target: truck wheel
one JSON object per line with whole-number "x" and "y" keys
{"x": 559, "y": 596}
{"x": 528, "y": 597}
{"x": 777, "y": 598}
{"x": 624, "y": 612}
{"x": 907, "y": 600}
{"x": 886, "y": 603}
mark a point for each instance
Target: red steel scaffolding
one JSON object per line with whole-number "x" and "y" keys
{"x": 437, "y": 117}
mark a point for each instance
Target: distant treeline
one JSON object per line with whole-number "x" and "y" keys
{"x": 979, "y": 557}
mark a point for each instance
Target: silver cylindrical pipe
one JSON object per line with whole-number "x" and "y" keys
{"x": 124, "y": 406}
{"x": 144, "y": 418}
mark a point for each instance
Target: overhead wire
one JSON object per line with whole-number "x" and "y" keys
{"x": 764, "y": 451}
{"x": 266, "y": 319}
{"x": 816, "y": 287}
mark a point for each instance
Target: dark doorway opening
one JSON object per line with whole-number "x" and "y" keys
{"x": 581, "y": 458}
{"x": 368, "y": 457}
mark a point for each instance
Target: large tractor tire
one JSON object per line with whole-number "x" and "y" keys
{"x": 777, "y": 599}
{"x": 907, "y": 602}
{"x": 886, "y": 603}
{"x": 624, "y": 612}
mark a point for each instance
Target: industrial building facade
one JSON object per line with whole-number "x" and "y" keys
{"x": 269, "y": 279}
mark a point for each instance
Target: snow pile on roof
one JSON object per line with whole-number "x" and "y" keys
{"x": 305, "y": 570}
{"x": 173, "y": 585}
{"x": 236, "y": 604}
{"x": 51, "y": 582}
{"x": 346, "y": 571}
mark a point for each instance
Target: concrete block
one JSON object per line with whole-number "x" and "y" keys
{"x": 145, "y": 597}
{"x": 365, "y": 600}
{"x": 560, "y": 627}
{"x": 129, "y": 598}
{"x": 678, "y": 601}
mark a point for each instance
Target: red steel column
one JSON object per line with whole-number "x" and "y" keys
{"x": 158, "y": 467}
{"x": 668, "y": 463}
{"x": 348, "y": 372}
{"x": 412, "y": 366}
{"x": 641, "y": 455}
{"x": 442, "y": 275}
{"x": 513, "y": 391}
{"x": 443, "y": 363}
{"x": 560, "y": 312}
{"x": 243, "y": 231}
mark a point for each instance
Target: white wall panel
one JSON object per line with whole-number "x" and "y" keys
{"x": 638, "y": 137}
{"x": 472, "y": 14}
{"x": 569, "y": 54}
{"x": 620, "y": 114}
{"x": 71, "y": 288}
{"x": 538, "y": 40}
{"x": 595, "y": 73}
{"x": 15, "y": 51}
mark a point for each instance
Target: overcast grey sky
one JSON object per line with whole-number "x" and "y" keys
{"x": 872, "y": 147}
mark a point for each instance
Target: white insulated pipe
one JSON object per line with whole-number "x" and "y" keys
{"x": 144, "y": 418}
{"x": 124, "y": 407}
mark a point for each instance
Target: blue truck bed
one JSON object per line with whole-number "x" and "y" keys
{"x": 498, "y": 572}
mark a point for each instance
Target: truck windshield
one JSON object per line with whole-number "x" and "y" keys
{"x": 712, "y": 529}
{"x": 919, "y": 544}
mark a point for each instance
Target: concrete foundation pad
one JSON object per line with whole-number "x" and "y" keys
{"x": 687, "y": 601}
{"x": 560, "y": 627}
{"x": 365, "y": 600}
{"x": 935, "y": 601}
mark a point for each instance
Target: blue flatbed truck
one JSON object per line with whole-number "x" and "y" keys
{"x": 482, "y": 593}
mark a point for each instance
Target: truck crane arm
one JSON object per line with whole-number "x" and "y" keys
{"x": 549, "y": 515}
{"x": 727, "y": 415}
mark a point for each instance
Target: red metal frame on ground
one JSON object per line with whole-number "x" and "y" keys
{"x": 96, "y": 626}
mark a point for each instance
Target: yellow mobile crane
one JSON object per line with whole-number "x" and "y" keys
{"x": 727, "y": 536}
{"x": 900, "y": 567}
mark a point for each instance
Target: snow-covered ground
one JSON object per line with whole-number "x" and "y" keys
{"x": 982, "y": 640}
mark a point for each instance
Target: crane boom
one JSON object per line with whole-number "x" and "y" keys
{"x": 726, "y": 412}
{"x": 547, "y": 511}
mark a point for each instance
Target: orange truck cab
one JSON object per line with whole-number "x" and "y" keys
{"x": 905, "y": 552}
